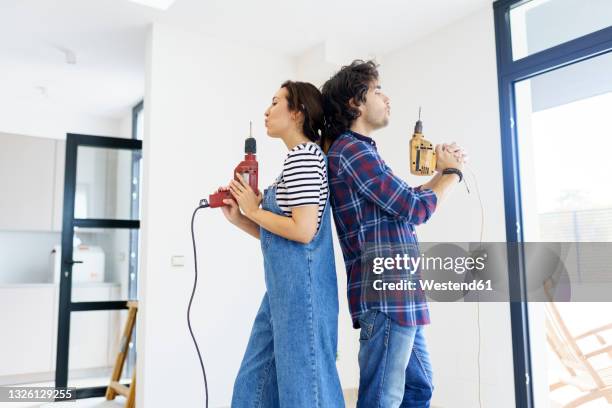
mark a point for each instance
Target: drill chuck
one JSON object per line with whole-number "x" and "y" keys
{"x": 250, "y": 145}
{"x": 418, "y": 127}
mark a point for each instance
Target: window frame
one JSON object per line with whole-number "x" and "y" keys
{"x": 509, "y": 72}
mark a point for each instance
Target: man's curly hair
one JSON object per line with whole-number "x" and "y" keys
{"x": 351, "y": 82}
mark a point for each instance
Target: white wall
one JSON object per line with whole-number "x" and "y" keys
{"x": 200, "y": 95}
{"x": 452, "y": 75}
{"x": 48, "y": 120}
{"x": 44, "y": 116}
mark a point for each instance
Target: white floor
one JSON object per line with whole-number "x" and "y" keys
{"x": 118, "y": 402}
{"x": 101, "y": 402}
{"x": 350, "y": 397}
{"x": 89, "y": 403}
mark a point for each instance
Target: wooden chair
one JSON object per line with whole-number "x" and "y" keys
{"x": 597, "y": 383}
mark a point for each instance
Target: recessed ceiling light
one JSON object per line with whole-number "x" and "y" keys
{"x": 69, "y": 55}
{"x": 158, "y": 4}
{"x": 42, "y": 91}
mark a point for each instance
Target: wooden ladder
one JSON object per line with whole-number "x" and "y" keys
{"x": 115, "y": 387}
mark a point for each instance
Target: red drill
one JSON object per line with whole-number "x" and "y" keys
{"x": 247, "y": 169}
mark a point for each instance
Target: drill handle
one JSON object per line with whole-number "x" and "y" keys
{"x": 422, "y": 156}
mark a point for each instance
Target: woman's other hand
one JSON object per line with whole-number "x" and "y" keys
{"x": 230, "y": 209}
{"x": 244, "y": 195}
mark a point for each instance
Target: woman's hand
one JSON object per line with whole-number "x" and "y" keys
{"x": 230, "y": 210}
{"x": 244, "y": 195}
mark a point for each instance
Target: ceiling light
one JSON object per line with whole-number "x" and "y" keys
{"x": 158, "y": 4}
{"x": 42, "y": 91}
{"x": 70, "y": 56}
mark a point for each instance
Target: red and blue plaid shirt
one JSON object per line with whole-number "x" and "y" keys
{"x": 373, "y": 206}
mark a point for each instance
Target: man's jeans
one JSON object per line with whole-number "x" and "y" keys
{"x": 394, "y": 365}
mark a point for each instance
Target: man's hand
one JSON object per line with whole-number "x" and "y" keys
{"x": 450, "y": 156}
{"x": 456, "y": 150}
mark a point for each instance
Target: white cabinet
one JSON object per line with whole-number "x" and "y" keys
{"x": 28, "y": 340}
{"x": 28, "y": 320}
{"x": 27, "y": 182}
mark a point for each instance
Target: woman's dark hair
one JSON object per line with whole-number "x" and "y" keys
{"x": 306, "y": 98}
{"x": 351, "y": 82}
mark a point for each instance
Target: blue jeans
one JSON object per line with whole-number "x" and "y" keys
{"x": 394, "y": 365}
{"x": 290, "y": 360}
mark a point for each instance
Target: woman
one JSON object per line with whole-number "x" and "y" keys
{"x": 290, "y": 358}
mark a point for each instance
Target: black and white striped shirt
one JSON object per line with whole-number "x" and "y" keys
{"x": 303, "y": 180}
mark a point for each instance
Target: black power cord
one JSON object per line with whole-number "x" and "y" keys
{"x": 203, "y": 204}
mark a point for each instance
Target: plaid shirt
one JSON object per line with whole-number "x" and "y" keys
{"x": 373, "y": 206}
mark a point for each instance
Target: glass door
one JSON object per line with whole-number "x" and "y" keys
{"x": 99, "y": 259}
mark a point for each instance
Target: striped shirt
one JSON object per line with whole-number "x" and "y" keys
{"x": 375, "y": 208}
{"x": 303, "y": 180}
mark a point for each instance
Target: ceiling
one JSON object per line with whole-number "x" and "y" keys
{"x": 107, "y": 39}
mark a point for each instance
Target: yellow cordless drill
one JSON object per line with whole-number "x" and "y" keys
{"x": 422, "y": 152}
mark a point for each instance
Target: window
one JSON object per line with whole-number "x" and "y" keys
{"x": 555, "y": 89}
{"x": 540, "y": 24}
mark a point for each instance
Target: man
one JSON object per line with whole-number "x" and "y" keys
{"x": 372, "y": 206}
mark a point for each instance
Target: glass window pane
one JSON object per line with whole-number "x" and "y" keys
{"x": 103, "y": 183}
{"x": 541, "y": 24}
{"x": 95, "y": 338}
{"x": 104, "y": 274}
{"x": 564, "y": 127}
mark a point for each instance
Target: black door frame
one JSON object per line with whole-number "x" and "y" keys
{"x": 66, "y": 306}
{"x": 509, "y": 72}
{"x": 137, "y": 110}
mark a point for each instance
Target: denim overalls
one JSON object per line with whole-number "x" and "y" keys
{"x": 290, "y": 360}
